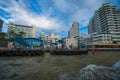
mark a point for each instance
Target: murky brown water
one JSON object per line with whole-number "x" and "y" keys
{"x": 99, "y": 66}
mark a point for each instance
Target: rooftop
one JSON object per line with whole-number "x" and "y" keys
{"x": 20, "y": 25}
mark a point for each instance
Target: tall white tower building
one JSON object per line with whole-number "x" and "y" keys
{"x": 106, "y": 20}
{"x": 74, "y": 30}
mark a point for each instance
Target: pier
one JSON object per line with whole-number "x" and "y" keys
{"x": 40, "y": 52}
{"x": 69, "y": 52}
{"x": 21, "y": 52}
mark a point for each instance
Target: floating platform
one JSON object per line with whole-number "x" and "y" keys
{"x": 70, "y": 52}
{"x": 21, "y": 52}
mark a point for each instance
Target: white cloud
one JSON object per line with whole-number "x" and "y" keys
{"x": 78, "y": 10}
{"x": 66, "y": 12}
{"x": 22, "y": 16}
{"x": 63, "y": 5}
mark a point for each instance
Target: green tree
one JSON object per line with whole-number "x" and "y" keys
{"x": 21, "y": 34}
{"x": 11, "y": 34}
{"x": 2, "y": 36}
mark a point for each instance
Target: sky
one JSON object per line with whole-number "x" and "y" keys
{"x": 51, "y": 15}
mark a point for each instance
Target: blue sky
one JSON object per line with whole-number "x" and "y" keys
{"x": 51, "y": 15}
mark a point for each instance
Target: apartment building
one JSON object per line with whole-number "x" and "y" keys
{"x": 106, "y": 20}
{"x": 102, "y": 38}
{"x": 29, "y": 31}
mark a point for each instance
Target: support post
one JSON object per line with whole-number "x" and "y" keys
{"x": 92, "y": 49}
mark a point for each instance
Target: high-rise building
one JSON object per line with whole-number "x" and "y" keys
{"x": 28, "y": 31}
{"x": 74, "y": 30}
{"x": 106, "y": 20}
{"x": 94, "y": 24}
{"x": 1, "y": 24}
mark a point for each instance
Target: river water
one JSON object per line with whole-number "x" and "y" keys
{"x": 103, "y": 65}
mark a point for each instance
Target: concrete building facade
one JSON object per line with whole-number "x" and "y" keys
{"x": 94, "y": 24}
{"x": 74, "y": 30}
{"x": 29, "y": 31}
{"x": 106, "y": 20}
{"x": 49, "y": 40}
{"x": 70, "y": 43}
{"x": 1, "y": 25}
{"x": 85, "y": 38}
{"x": 102, "y": 38}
